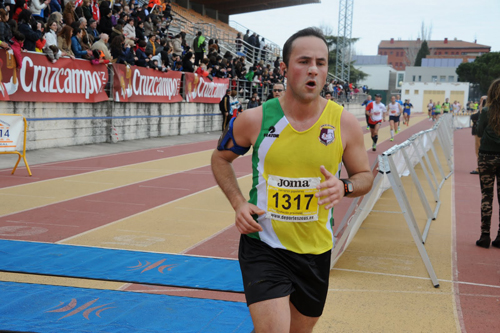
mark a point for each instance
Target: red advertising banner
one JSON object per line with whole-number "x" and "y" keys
{"x": 40, "y": 80}
{"x": 203, "y": 90}
{"x": 145, "y": 85}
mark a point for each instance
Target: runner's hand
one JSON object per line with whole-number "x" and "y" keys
{"x": 331, "y": 190}
{"x": 244, "y": 220}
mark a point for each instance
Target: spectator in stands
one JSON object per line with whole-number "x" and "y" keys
{"x": 76, "y": 45}
{"x": 69, "y": 13}
{"x": 140, "y": 53}
{"x": 167, "y": 12}
{"x": 18, "y": 8}
{"x": 105, "y": 25}
{"x": 55, "y": 7}
{"x": 247, "y": 35}
{"x": 85, "y": 41}
{"x": 101, "y": 46}
{"x": 5, "y": 31}
{"x": 187, "y": 64}
{"x": 251, "y": 50}
{"x": 121, "y": 52}
{"x": 152, "y": 45}
{"x": 86, "y": 10}
{"x": 37, "y": 8}
{"x": 148, "y": 26}
{"x": 56, "y": 17}
{"x": 277, "y": 62}
{"x": 51, "y": 40}
{"x": 278, "y": 90}
{"x": 92, "y": 30}
{"x": 177, "y": 44}
{"x": 17, "y": 46}
{"x": 253, "y": 103}
{"x": 117, "y": 30}
{"x": 224, "y": 107}
{"x": 139, "y": 30}
{"x": 31, "y": 34}
{"x": 129, "y": 29}
{"x": 198, "y": 48}
{"x": 64, "y": 40}
{"x": 238, "y": 42}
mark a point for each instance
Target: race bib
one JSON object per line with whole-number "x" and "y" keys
{"x": 292, "y": 199}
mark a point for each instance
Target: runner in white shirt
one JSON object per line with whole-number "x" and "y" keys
{"x": 394, "y": 109}
{"x": 430, "y": 107}
{"x": 456, "y": 107}
{"x": 375, "y": 111}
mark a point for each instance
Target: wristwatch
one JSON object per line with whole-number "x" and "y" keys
{"x": 348, "y": 187}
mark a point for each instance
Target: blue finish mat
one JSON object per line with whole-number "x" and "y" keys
{"x": 41, "y": 308}
{"x": 120, "y": 265}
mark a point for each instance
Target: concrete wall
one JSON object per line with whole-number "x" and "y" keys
{"x": 378, "y": 77}
{"x": 426, "y": 74}
{"x": 69, "y": 124}
{"x": 419, "y": 93}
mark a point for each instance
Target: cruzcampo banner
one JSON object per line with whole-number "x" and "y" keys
{"x": 36, "y": 79}
{"x": 201, "y": 89}
{"x": 145, "y": 85}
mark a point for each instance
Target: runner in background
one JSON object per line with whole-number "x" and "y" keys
{"x": 375, "y": 111}
{"x": 446, "y": 106}
{"x": 394, "y": 110}
{"x": 456, "y": 107}
{"x": 398, "y": 100}
{"x": 365, "y": 104}
{"x": 430, "y": 109}
{"x": 437, "y": 111}
{"x": 406, "y": 112}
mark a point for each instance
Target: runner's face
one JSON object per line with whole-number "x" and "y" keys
{"x": 307, "y": 68}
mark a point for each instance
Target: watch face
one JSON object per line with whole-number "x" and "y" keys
{"x": 350, "y": 188}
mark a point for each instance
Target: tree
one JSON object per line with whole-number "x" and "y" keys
{"x": 482, "y": 71}
{"x": 355, "y": 74}
{"x": 422, "y": 53}
{"x": 415, "y": 45}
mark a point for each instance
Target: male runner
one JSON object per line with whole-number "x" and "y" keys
{"x": 430, "y": 108}
{"x": 398, "y": 100}
{"x": 299, "y": 141}
{"x": 407, "y": 106}
{"x": 446, "y": 106}
{"x": 365, "y": 104}
{"x": 437, "y": 111}
{"x": 394, "y": 109}
{"x": 456, "y": 107}
{"x": 375, "y": 111}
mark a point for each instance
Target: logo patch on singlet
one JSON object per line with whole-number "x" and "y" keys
{"x": 271, "y": 133}
{"x": 327, "y": 134}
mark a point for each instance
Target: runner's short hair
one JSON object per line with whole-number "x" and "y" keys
{"x": 311, "y": 31}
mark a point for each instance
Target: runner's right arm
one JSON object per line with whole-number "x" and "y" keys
{"x": 245, "y": 131}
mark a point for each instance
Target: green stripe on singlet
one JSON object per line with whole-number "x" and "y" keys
{"x": 271, "y": 114}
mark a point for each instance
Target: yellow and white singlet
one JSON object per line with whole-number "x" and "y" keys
{"x": 286, "y": 170}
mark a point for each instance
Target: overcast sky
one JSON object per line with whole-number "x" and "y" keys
{"x": 374, "y": 21}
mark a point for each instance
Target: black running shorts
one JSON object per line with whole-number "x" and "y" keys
{"x": 394, "y": 119}
{"x": 270, "y": 273}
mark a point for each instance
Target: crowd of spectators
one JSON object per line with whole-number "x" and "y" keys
{"x": 128, "y": 33}
{"x": 343, "y": 91}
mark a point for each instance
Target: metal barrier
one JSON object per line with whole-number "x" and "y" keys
{"x": 398, "y": 161}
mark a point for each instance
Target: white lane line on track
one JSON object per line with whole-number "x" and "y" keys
{"x": 166, "y": 188}
{"x": 416, "y": 277}
{"x": 114, "y": 169}
{"x": 116, "y": 202}
{"x": 143, "y": 212}
{"x": 409, "y": 292}
{"x": 206, "y": 239}
{"x": 58, "y": 225}
{"x": 457, "y": 305}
